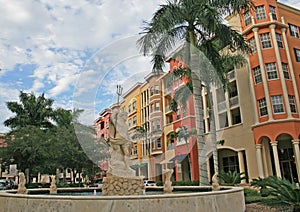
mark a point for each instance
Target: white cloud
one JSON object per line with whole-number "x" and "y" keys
{"x": 57, "y": 37}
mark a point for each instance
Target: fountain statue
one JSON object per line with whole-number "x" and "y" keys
{"x": 215, "y": 182}
{"x": 121, "y": 179}
{"x": 168, "y": 183}
{"x": 53, "y": 189}
{"x": 22, "y": 181}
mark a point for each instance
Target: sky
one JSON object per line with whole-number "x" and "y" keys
{"x": 74, "y": 51}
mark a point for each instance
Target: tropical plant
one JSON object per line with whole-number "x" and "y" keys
{"x": 284, "y": 191}
{"x": 231, "y": 177}
{"x": 32, "y": 110}
{"x": 199, "y": 26}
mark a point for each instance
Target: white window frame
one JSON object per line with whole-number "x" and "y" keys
{"x": 273, "y": 12}
{"x": 285, "y": 70}
{"x": 292, "y": 104}
{"x": 265, "y": 40}
{"x": 271, "y": 71}
{"x": 260, "y": 12}
{"x": 252, "y": 45}
{"x": 257, "y": 75}
{"x": 294, "y": 30}
{"x": 247, "y": 18}
{"x": 277, "y": 104}
{"x": 262, "y": 104}
{"x": 279, "y": 40}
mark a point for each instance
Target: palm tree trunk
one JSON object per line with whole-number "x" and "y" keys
{"x": 197, "y": 90}
{"x": 213, "y": 134}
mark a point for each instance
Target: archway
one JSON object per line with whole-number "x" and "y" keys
{"x": 286, "y": 158}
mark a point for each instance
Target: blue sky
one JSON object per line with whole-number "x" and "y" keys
{"x": 75, "y": 52}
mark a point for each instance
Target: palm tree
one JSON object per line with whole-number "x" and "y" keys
{"x": 199, "y": 26}
{"x": 31, "y": 111}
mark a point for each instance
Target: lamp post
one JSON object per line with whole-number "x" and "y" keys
{"x": 0, "y": 168}
{"x": 119, "y": 93}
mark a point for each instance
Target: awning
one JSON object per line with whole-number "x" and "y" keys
{"x": 166, "y": 161}
{"x": 178, "y": 158}
{"x": 135, "y": 166}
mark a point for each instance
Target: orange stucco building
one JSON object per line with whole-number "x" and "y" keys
{"x": 272, "y": 31}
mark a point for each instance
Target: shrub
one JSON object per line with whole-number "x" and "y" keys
{"x": 231, "y": 178}
{"x": 283, "y": 191}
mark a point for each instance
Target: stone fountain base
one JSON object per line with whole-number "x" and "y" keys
{"x": 121, "y": 186}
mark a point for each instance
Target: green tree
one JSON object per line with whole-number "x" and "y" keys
{"x": 31, "y": 110}
{"x": 199, "y": 25}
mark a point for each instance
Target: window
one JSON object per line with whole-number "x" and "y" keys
{"x": 257, "y": 75}
{"x": 129, "y": 108}
{"x": 134, "y": 106}
{"x": 220, "y": 95}
{"x": 252, "y": 45}
{"x": 247, "y": 18}
{"x": 260, "y": 12}
{"x": 292, "y": 104}
{"x": 294, "y": 30}
{"x": 277, "y": 104}
{"x": 178, "y": 114}
{"x": 223, "y": 120}
{"x": 262, "y": 107}
{"x": 156, "y": 89}
{"x": 265, "y": 40}
{"x": 297, "y": 54}
{"x": 152, "y": 125}
{"x": 158, "y": 124}
{"x": 152, "y": 108}
{"x": 157, "y": 108}
{"x": 285, "y": 71}
{"x": 271, "y": 71}
{"x": 158, "y": 143}
{"x": 134, "y": 120}
{"x": 236, "y": 116}
{"x": 273, "y": 12}
{"x": 279, "y": 40}
{"x": 232, "y": 89}
{"x": 129, "y": 123}
{"x": 230, "y": 163}
{"x": 134, "y": 150}
{"x": 151, "y": 91}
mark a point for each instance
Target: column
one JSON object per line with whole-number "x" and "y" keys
{"x": 297, "y": 156}
{"x": 263, "y": 73}
{"x": 241, "y": 163}
{"x": 259, "y": 160}
{"x": 208, "y": 170}
{"x": 291, "y": 69}
{"x": 282, "y": 79}
{"x": 276, "y": 158}
{"x": 252, "y": 93}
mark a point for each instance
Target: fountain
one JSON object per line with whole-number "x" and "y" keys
{"x": 121, "y": 179}
{"x": 122, "y": 191}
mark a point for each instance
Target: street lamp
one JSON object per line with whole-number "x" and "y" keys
{"x": 0, "y": 168}
{"x": 119, "y": 92}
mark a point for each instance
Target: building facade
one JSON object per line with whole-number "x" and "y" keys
{"x": 272, "y": 30}
{"x": 256, "y": 119}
